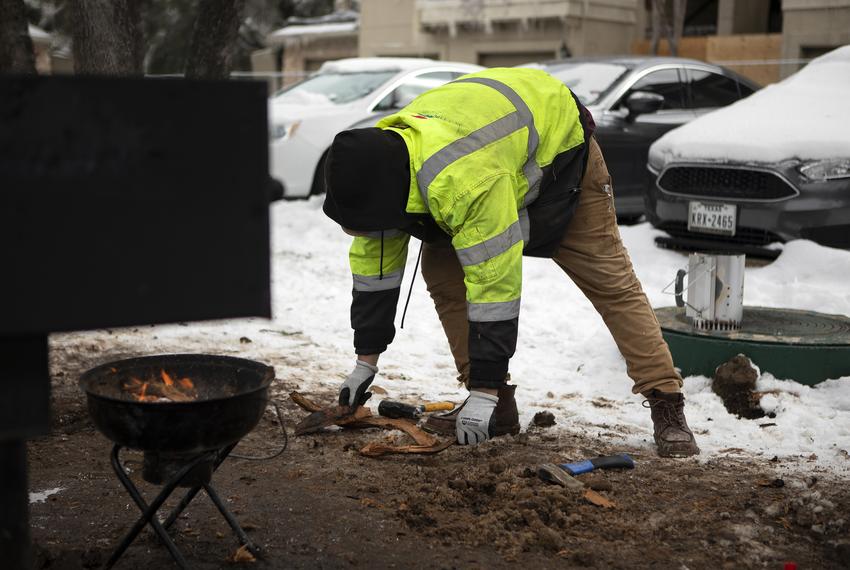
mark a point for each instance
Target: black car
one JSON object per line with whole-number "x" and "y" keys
{"x": 635, "y": 100}
{"x": 773, "y": 168}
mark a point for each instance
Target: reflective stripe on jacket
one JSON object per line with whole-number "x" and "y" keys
{"x": 480, "y": 149}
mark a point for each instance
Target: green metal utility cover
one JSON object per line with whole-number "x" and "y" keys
{"x": 804, "y": 346}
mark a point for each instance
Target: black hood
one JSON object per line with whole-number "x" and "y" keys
{"x": 367, "y": 177}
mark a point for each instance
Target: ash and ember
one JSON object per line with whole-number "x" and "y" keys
{"x": 162, "y": 387}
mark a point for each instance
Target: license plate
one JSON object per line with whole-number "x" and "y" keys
{"x": 712, "y": 218}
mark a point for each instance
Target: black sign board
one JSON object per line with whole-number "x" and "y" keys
{"x": 131, "y": 201}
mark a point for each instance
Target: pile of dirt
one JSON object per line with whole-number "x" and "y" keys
{"x": 495, "y": 505}
{"x": 735, "y": 383}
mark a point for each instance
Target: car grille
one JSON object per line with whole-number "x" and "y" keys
{"x": 749, "y": 236}
{"x": 725, "y": 183}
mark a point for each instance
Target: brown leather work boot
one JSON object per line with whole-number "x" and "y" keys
{"x": 505, "y": 420}
{"x": 672, "y": 435}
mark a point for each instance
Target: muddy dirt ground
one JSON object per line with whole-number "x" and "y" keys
{"x": 322, "y": 505}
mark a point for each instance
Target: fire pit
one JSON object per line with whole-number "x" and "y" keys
{"x": 186, "y": 412}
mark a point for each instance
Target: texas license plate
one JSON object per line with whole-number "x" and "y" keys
{"x": 712, "y": 218}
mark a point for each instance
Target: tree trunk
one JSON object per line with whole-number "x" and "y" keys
{"x": 679, "y": 7}
{"x": 212, "y": 41}
{"x": 656, "y": 26}
{"x": 16, "y": 52}
{"x": 107, "y": 37}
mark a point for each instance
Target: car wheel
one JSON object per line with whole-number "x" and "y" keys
{"x": 318, "y": 186}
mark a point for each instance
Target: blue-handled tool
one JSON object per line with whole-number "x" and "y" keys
{"x": 620, "y": 460}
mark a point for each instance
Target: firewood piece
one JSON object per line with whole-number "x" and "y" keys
{"x": 598, "y": 500}
{"x": 362, "y": 418}
{"x": 378, "y": 449}
{"x": 304, "y": 402}
{"x": 336, "y": 415}
{"x": 421, "y": 437}
{"x": 166, "y": 392}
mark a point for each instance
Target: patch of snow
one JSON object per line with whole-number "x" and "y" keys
{"x": 315, "y": 30}
{"x": 42, "y": 496}
{"x": 566, "y": 361}
{"x": 804, "y": 117}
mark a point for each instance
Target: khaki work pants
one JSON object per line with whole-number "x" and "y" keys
{"x": 593, "y": 256}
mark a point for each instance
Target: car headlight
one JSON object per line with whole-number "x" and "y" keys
{"x": 823, "y": 170}
{"x": 280, "y": 131}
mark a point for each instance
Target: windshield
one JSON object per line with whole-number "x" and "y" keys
{"x": 589, "y": 81}
{"x": 335, "y": 88}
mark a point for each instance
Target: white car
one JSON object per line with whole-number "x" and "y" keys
{"x": 306, "y": 116}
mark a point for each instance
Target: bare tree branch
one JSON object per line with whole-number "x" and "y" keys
{"x": 16, "y": 52}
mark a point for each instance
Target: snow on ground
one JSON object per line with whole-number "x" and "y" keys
{"x": 41, "y": 496}
{"x": 566, "y": 360}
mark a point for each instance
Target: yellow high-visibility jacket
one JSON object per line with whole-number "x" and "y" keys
{"x": 496, "y": 160}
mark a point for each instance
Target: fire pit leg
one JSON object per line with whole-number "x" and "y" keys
{"x": 214, "y": 497}
{"x": 187, "y": 498}
{"x": 149, "y": 511}
{"x": 231, "y": 520}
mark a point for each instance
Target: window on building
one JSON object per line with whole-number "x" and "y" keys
{"x": 811, "y": 52}
{"x": 511, "y": 59}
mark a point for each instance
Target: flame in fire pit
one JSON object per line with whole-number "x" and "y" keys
{"x": 162, "y": 388}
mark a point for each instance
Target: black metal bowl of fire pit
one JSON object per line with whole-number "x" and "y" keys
{"x": 177, "y": 403}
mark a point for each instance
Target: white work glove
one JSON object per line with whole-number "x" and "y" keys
{"x": 473, "y": 421}
{"x": 353, "y": 391}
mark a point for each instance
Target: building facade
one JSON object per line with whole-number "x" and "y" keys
{"x": 813, "y": 27}
{"x": 765, "y": 40}
{"x": 497, "y": 32}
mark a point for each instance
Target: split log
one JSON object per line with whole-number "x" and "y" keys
{"x": 377, "y": 449}
{"x": 304, "y": 402}
{"x": 361, "y": 419}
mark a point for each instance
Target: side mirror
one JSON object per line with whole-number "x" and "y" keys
{"x": 642, "y": 102}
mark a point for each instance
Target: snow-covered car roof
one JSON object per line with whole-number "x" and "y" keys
{"x": 373, "y": 64}
{"x": 804, "y": 117}
{"x": 328, "y": 28}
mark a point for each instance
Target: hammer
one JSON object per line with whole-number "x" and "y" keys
{"x": 391, "y": 409}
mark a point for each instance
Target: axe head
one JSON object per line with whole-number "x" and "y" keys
{"x": 554, "y": 474}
